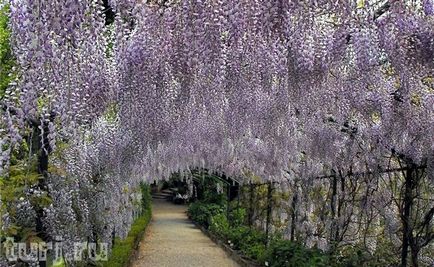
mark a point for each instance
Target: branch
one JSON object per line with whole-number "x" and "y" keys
{"x": 383, "y": 9}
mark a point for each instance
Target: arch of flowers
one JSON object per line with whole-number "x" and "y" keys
{"x": 106, "y": 96}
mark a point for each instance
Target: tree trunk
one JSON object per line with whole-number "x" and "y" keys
{"x": 333, "y": 210}
{"x": 406, "y": 214}
{"x": 293, "y": 214}
{"x": 414, "y": 256}
{"x": 251, "y": 192}
{"x": 340, "y": 203}
{"x": 44, "y": 151}
{"x": 269, "y": 209}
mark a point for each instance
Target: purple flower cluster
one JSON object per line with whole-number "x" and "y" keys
{"x": 239, "y": 87}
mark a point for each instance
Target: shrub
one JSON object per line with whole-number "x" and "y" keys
{"x": 252, "y": 244}
{"x": 255, "y": 251}
{"x": 236, "y": 236}
{"x": 219, "y": 226}
{"x": 237, "y": 216}
{"x": 249, "y": 241}
{"x": 202, "y": 212}
{"x": 282, "y": 253}
{"x": 243, "y": 237}
{"x": 358, "y": 255}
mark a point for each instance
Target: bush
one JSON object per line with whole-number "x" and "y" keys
{"x": 255, "y": 251}
{"x": 253, "y": 244}
{"x": 201, "y": 212}
{"x": 282, "y": 253}
{"x": 219, "y": 226}
{"x": 358, "y": 255}
{"x": 237, "y": 217}
{"x": 250, "y": 242}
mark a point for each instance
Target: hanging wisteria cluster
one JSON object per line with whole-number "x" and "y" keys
{"x": 257, "y": 86}
{"x": 290, "y": 91}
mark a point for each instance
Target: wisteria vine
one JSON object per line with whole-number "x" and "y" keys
{"x": 286, "y": 90}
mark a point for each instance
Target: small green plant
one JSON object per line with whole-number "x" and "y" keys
{"x": 237, "y": 217}
{"x": 285, "y": 253}
{"x": 219, "y": 226}
{"x": 201, "y": 212}
{"x": 358, "y": 255}
{"x": 255, "y": 251}
{"x": 242, "y": 236}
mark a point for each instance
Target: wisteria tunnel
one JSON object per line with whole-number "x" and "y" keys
{"x": 217, "y": 133}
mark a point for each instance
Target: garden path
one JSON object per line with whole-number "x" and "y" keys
{"x": 173, "y": 240}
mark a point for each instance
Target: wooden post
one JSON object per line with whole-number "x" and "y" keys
{"x": 340, "y": 201}
{"x": 251, "y": 192}
{"x": 293, "y": 213}
{"x": 240, "y": 188}
{"x": 113, "y": 237}
{"x": 333, "y": 209}
{"x": 406, "y": 214}
{"x": 228, "y": 202}
{"x": 44, "y": 150}
{"x": 269, "y": 209}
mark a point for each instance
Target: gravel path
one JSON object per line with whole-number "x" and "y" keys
{"x": 172, "y": 240}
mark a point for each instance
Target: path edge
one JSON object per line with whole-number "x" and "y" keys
{"x": 135, "y": 252}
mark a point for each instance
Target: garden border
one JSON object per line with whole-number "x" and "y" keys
{"x": 135, "y": 250}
